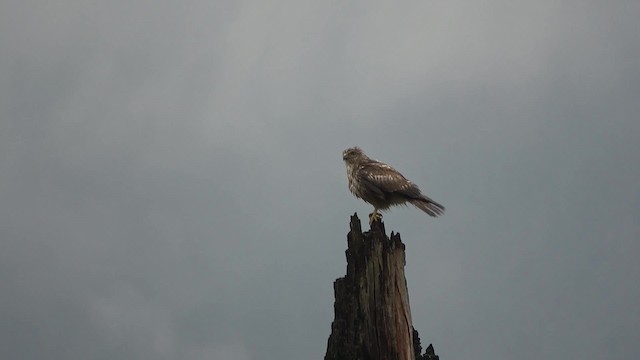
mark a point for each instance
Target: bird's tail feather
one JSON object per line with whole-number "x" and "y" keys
{"x": 429, "y": 206}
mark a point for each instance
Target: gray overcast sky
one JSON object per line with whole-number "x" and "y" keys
{"x": 171, "y": 181}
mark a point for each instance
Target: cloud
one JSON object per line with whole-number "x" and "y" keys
{"x": 171, "y": 183}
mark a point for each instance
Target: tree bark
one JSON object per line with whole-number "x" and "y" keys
{"x": 372, "y": 314}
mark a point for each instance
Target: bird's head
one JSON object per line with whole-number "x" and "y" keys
{"x": 352, "y": 154}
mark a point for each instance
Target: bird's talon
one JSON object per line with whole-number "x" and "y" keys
{"x": 373, "y": 217}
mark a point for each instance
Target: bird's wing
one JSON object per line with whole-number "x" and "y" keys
{"x": 381, "y": 178}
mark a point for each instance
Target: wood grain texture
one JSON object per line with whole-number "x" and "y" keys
{"x": 372, "y": 313}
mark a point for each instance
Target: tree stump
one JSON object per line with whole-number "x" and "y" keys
{"x": 372, "y": 314}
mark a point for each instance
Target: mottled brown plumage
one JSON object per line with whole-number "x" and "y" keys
{"x": 383, "y": 186}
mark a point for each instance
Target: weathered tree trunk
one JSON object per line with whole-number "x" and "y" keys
{"x": 372, "y": 314}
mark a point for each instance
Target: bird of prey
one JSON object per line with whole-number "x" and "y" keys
{"x": 383, "y": 186}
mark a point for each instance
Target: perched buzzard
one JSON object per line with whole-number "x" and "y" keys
{"x": 383, "y": 186}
